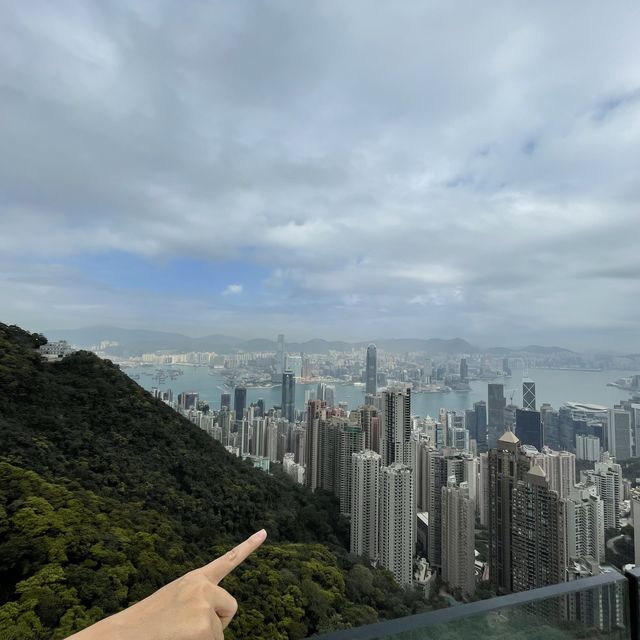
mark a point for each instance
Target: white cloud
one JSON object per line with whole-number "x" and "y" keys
{"x": 232, "y": 290}
{"x": 396, "y": 166}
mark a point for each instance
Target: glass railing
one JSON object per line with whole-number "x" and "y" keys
{"x": 596, "y": 607}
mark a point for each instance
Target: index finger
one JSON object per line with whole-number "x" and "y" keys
{"x": 225, "y": 564}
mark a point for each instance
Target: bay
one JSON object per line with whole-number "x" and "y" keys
{"x": 552, "y": 385}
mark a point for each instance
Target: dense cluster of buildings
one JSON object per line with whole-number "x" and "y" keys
{"x": 416, "y": 490}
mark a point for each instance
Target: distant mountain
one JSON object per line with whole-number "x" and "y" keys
{"x": 136, "y": 341}
{"x": 531, "y": 349}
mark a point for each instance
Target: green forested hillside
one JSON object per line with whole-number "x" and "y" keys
{"x": 106, "y": 494}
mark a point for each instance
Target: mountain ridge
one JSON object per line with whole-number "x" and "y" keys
{"x": 106, "y": 494}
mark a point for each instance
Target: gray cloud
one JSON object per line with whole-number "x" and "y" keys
{"x": 410, "y": 168}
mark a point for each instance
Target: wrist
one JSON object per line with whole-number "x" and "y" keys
{"x": 110, "y": 628}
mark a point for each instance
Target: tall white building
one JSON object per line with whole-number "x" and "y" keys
{"x": 458, "y": 527}
{"x": 365, "y": 497}
{"x": 587, "y": 448}
{"x": 397, "y": 521}
{"x": 584, "y": 512}
{"x": 396, "y": 426}
{"x": 559, "y": 468}
{"x": 607, "y": 478}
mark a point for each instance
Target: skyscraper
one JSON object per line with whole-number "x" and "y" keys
{"x": 288, "y": 396}
{"x": 478, "y": 431}
{"x": 225, "y": 401}
{"x": 538, "y": 547}
{"x": 506, "y": 467}
{"x": 365, "y": 498}
{"x": 529, "y": 427}
{"x": 281, "y": 356}
{"x": 458, "y": 528}
{"x": 529, "y": 395}
{"x": 396, "y": 426}
{"x": 372, "y": 370}
{"x": 464, "y": 370}
{"x": 495, "y": 413}
{"x": 619, "y": 434}
{"x": 397, "y": 522}
{"x": 239, "y": 402}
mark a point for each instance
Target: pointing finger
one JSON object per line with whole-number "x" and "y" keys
{"x": 225, "y": 564}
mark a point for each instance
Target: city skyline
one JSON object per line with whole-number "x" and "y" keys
{"x": 323, "y": 169}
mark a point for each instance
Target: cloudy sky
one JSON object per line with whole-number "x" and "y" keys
{"x": 333, "y": 169}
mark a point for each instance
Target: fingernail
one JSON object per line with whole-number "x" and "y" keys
{"x": 259, "y": 536}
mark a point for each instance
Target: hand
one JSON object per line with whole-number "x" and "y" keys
{"x": 192, "y": 607}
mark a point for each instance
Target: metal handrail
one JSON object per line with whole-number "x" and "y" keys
{"x": 457, "y": 612}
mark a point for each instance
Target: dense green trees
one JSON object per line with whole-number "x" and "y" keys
{"x": 107, "y": 494}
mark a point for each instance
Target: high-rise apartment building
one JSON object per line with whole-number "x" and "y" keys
{"x": 585, "y": 524}
{"x": 397, "y": 521}
{"x": 329, "y": 454}
{"x": 635, "y": 516}
{"x": 456, "y": 434}
{"x": 538, "y": 540}
{"x": 239, "y": 402}
{"x": 396, "y": 426}
{"x": 365, "y": 504}
{"x": 607, "y": 478}
{"x": 587, "y": 448}
{"x": 371, "y": 374}
{"x": 442, "y": 465}
{"x": 506, "y": 467}
{"x": 495, "y": 413}
{"x": 369, "y": 420}
{"x": 559, "y": 468}
{"x": 457, "y": 535}
{"x": 289, "y": 396}
{"x": 478, "y": 427}
{"x": 350, "y": 441}
{"x": 316, "y": 419}
{"x": 528, "y": 395}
